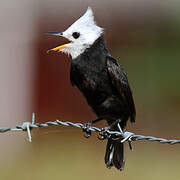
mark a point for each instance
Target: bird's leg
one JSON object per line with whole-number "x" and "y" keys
{"x": 104, "y": 135}
{"x": 87, "y": 126}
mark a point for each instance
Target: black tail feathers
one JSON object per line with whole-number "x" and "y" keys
{"x": 115, "y": 154}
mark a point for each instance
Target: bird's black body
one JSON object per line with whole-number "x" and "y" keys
{"x": 105, "y": 86}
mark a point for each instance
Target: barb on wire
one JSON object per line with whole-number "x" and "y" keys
{"x": 128, "y": 136}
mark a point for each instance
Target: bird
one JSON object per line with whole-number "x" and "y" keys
{"x": 101, "y": 79}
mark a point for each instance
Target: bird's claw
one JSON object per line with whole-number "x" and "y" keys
{"x": 103, "y": 134}
{"x": 87, "y": 130}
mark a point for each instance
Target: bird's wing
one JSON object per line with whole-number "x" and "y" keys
{"x": 120, "y": 83}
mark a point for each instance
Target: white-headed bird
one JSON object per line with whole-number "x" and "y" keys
{"x": 101, "y": 80}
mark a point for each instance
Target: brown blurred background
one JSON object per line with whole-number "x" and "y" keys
{"x": 143, "y": 35}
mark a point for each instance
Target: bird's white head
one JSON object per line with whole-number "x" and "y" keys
{"x": 81, "y": 34}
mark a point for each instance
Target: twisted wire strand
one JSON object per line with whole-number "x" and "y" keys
{"x": 128, "y": 136}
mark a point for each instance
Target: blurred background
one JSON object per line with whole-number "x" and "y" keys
{"x": 143, "y": 35}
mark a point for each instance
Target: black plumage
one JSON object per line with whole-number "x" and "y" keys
{"x": 104, "y": 84}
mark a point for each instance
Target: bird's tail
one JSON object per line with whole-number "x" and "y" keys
{"x": 115, "y": 154}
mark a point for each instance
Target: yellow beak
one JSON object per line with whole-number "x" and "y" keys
{"x": 58, "y": 48}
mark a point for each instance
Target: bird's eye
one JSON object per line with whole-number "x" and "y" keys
{"x": 75, "y": 35}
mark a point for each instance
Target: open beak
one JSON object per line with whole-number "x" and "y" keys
{"x": 58, "y": 48}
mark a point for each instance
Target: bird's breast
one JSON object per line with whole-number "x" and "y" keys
{"x": 92, "y": 81}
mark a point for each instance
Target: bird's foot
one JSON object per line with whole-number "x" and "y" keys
{"x": 87, "y": 130}
{"x": 103, "y": 134}
{"x": 87, "y": 127}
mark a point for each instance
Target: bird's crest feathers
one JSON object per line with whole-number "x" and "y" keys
{"x": 89, "y": 32}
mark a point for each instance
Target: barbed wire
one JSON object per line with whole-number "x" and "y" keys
{"x": 106, "y": 133}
